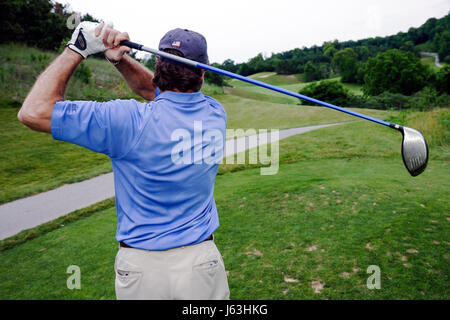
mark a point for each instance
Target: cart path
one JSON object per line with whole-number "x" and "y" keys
{"x": 32, "y": 211}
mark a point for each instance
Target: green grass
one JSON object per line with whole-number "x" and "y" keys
{"x": 341, "y": 201}
{"x": 32, "y": 162}
{"x": 278, "y": 79}
{"x": 28, "y": 234}
{"x": 353, "y": 88}
{"x": 52, "y": 253}
{"x": 270, "y": 78}
{"x": 246, "y": 90}
{"x": 245, "y": 112}
{"x": 350, "y": 214}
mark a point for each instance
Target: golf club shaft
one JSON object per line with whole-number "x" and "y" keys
{"x": 192, "y": 63}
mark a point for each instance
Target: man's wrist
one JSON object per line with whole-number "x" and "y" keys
{"x": 113, "y": 62}
{"x": 73, "y": 54}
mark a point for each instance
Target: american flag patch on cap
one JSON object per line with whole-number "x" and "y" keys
{"x": 176, "y": 44}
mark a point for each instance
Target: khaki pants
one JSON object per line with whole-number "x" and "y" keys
{"x": 184, "y": 273}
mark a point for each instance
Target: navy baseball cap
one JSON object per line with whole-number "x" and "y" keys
{"x": 190, "y": 43}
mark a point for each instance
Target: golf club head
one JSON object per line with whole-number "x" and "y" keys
{"x": 414, "y": 151}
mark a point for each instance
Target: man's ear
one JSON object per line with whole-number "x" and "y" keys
{"x": 203, "y": 77}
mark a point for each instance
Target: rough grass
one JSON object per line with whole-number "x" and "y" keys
{"x": 434, "y": 125}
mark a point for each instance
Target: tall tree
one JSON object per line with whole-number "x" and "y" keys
{"x": 441, "y": 43}
{"x": 329, "y": 49}
{"x": 346, "y": 63}
{"x": 395, "y": 71}
{"x": 40, "y": 23}
{"x": 312, "y": 72}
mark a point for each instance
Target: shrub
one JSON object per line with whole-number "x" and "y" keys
{"x": 426, "y": 99}
{"x": 215, "y": 78}
{"x": 327, "y": 90}
{"x": 429, "y": 98}
{"x": 388, "y": 100}
{"x": 442, "y": 81}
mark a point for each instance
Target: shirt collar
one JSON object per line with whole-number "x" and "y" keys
{"x": 181, "y": 97}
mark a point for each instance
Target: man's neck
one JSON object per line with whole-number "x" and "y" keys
{"x": 176, "y": 90}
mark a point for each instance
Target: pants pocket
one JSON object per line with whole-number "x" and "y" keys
{"x": 126, "y": 279}
{"x": 127, "y": 274}
{"x": 209, "y": 279}
{"x": 210, "y": 267}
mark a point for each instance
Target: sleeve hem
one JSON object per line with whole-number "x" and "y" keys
{"x": 57, "y": 113}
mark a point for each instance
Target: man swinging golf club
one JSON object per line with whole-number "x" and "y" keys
{"x": 166, "y": 214}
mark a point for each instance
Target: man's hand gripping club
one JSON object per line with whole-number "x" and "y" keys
{"x": 90, "y": 38}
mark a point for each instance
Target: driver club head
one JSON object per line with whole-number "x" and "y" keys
{"x": 414, "y": 151}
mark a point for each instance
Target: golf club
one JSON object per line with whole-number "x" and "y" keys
{"x": 414, "y": 146}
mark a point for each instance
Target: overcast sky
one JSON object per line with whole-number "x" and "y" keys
{"x": 240, "y": 29}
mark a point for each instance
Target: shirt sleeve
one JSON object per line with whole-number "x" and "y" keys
{"x": 107, "y": 127}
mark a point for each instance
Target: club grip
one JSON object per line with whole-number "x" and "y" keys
{"x": 132, "y": 45}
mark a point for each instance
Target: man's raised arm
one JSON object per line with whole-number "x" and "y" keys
{"x": 49, "y": 88}
{"x": 88, "y": 38}
{"x": 138, "y": 77}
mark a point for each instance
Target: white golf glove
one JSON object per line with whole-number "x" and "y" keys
{"x": 84, "y": 40}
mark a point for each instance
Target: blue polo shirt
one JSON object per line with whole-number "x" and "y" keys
{"x": 164, "y": 154}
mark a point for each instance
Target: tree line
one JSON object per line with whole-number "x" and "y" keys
{"x": 388, "y": 68}
{"x": 382, "y": 64}
{"x": 320, "y": 62}
{"x": 37, "y": 23}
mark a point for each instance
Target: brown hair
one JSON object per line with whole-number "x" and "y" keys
{"x": 170, "y": 75}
